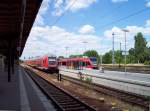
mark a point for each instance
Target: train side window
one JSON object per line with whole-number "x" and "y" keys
{"x": 87, "y": 63}
{"x": 64, "y": 63}
{"x": 83, "y": 64}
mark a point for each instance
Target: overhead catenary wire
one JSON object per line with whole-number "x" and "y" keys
{"x": 113, "y": 22}
{"x": 126, "y": 17}
{"x": 59, "y": 18}
{"x": 103, "y": 26}
{"x": 107, "y": 14}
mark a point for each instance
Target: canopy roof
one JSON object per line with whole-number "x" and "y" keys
{"x": 16, "y": 20}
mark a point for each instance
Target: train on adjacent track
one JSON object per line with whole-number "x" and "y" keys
{"x": 47, "y": 63}
{"x": 79, "y": 63}
{"x": 51, "y": 63}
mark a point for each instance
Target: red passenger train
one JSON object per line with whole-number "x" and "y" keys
{"x": 78, "y": 63}
{"x": 48, "y": 63}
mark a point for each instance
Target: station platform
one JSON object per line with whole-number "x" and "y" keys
{"x": 21, "y": 94}
{"x": 129, "y": 82}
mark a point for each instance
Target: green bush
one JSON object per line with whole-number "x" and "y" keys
{"x": 88, "y": 79}
{"x": 147, "y": 62}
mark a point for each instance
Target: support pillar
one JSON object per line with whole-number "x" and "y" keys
{"x": 12, "y": 62}
{"x": 59, "y": 77}
{"x": 9, "y": 61}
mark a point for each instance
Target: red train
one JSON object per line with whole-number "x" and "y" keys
{"x": 47, "y": 63}
{"x": 78, "y": 63}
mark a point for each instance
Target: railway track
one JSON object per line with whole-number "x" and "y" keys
{"x": 124, "y": 96}
{"x": 62, "y": 100}
{"x": 131, "y": 98}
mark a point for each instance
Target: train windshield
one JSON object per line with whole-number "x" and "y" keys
{"x": 52, "y": 60}
{"x": 93, "y": 60}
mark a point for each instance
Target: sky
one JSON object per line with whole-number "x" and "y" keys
{"x": 65, "y": 27}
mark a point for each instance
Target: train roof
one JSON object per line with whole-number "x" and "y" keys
{"x": 40, "y": 57}
{"x": 75, "y": 59}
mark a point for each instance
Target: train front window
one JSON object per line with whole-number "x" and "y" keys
{"x": 52, "y": 60}
{"x": 94, "y": 60}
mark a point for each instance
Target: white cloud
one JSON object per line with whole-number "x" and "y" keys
{"x": 58, "y": 3}
{"x": 87, "y": 29}
{"x": 116, "y": 1}
{"x": 58, "y": 7}
{"x": 148, "y": 4}
{"x": 43, "y": 9}
{"x": 54, "y": 39}
{"x": 148, "y": 23}
{"x": 72, "y": 5}
{"x": 78, "y": 4}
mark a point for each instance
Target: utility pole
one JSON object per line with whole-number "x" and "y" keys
{"x": 113, "y": 58}
{"x": 101, "y": 56}
{"x": 120, "y": 56}
{"x": 125, "y": 31}
{"x": 101, "y": 60}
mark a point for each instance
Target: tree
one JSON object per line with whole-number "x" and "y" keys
{"x": 146, "y": 54}
{"x": 131, "y": 56}
{"x": 73, "y": 56}
{"x": 118, "y": 56}
{"x": 140, "y": 52}
{"x": 139, "y": 46}
{"x": 92, "y": 53}
{"x": 107, "y": 58}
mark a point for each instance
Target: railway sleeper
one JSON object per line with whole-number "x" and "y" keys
{"x": 58, "y": 94}
{"x": 63, "y": 99}
{"x": 52, "y": 90}
{"x": 81, "y": 108}
{"x": 71, "y": 105}
{"x": 67, "y": 102}
{"x": 64, "y": 102}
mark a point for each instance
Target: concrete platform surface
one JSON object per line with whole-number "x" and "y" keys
{"x": 21, "y": 94}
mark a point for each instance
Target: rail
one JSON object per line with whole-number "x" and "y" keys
{"x": 62, "y": 99}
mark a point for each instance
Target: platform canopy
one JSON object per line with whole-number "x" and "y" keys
{"x": 16, "y": 20}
